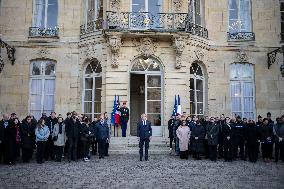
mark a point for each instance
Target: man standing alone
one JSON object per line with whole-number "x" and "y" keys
{"x": 144, "y": 133}
{"x": 102, "y": 135}
{"x": 124, "y": 118}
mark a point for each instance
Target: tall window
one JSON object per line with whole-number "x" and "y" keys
{"x": 240, "y": 16}
{"x": 45, "y": 14}
{"x": 195, "y": 9}
{"x": 282, "y": 19}
{"x": 242, "y": 90}
{"x": 197, "y": 89}
{"x": 92, "y": 89}
{"x": 42, "y": 87}
{"x": 93, "y": 11}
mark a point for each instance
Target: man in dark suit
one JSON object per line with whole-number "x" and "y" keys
{"x": 102, "y": 135}
{"x": 144, "y": 133}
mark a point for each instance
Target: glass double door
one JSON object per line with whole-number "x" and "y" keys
{"x": 145, "y": 97}
{"x": 145, "y": 13}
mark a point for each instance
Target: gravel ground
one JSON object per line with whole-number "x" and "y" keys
{"x": 161, "y": 171}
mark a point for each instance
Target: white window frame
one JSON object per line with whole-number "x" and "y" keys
{"x": 202, "y": 78}
{"x": 86, "y": 10}
{"x": 43, "y": 78}
{"x": 45, "y": 14}
{"x": 242, "y": 81}
{"x": 239, "y": 29}
{"x": 93, "y": 76}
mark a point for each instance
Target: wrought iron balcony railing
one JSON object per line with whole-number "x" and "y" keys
{"x": 241, "y": 36}
{"x": 91, "y": 26}
{"x": 161, "y": 22}
{"x": 143, "y": 21}
{"x": 43, "y": 32}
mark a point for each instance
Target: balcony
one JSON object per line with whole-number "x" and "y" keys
{"x": 241, "y": 36}
{"x": 43, "y": 32}
{"x": 130, "y": 22}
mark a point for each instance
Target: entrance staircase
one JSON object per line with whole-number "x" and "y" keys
{"x": 130, "y": 145}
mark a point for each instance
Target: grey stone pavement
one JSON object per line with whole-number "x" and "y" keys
{"x": 161, "y": 171}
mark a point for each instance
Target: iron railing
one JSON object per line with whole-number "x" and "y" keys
{"x": 241, "y": 36}
{"x": 43, "y": 32}
{"x": 144, "y": 21}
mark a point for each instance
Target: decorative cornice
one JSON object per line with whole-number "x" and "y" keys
{"x": 43, "y": 53}
{"x": 242, "y": 56}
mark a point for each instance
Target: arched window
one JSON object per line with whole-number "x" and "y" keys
{"x": 242, "y": 90}
{"x": 197, "y": 89}
{"x": 42, "y": 87}
{"x": 92, "y": 89}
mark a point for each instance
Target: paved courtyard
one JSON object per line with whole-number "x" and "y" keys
{"x": 125, "y": 171}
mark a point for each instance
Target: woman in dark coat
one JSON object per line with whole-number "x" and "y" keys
{"x": 27, "y": 132}
{"x": 252, "y": 136}
{"x": 227, "y": 140}
{"x": 10, "y": 138}
{"x": 266, "y": 133}
{"x": 212, "y": 130}
{"x": 197, "y": 136}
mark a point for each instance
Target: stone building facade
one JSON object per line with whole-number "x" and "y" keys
{"x": 78, "y": 54}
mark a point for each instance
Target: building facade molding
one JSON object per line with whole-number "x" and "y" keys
{"x": 177, "y": 4}
{"x": 145, "y": 46}
{"x": 179, "y": 46}
{"x": 115, "y": 5}
{"x": 115, "y": 45}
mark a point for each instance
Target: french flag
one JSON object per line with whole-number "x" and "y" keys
{"x": 178, "y": 106}
{"x": 117, "y": 112}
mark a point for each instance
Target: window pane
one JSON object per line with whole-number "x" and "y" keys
{"x": 192, "y": 108}
{"x": 235, "y": 114}
{"x": 36, "y": 114}
{"x": 197, "y": 12}
{"x": 35, "y": 102}
{"x": 49, "y": 86}
{"x": 52, "y": 12}
{"x": 155, "y": 119}
{"x": 88, "y": 95}
{"x": 249, "y": 115}
{"x": 200, "y": 108}
{"x": 191, "y": 83}
{"x": 248, "y": 104}
{"x": 199, "y": 96}
{"x": 154, "y": 67}
{"x": 199, "y": 85}
{"x": 39, "y": 14}
{"x": 98, "y": 81}
{"x": 87, "y": 107}
{"x": 98, "y": 95}
{"x": 154, "y": 107}
{"x": 36, "y": 86}
{"x": 236, "y": 89}
{"x": 48, "y": 103}
{"x": 138, "y": 5}
{"x": 50, "y": 68}
{"x": 154, "y": 6}
{"x": 154, "y": 93}
{"x": 97, "y": 106}
{"x": 36, "y": 68}
{"x": 248, "y": 89}
{"x": 89, "y": 83}
{"x": 192, "y": 96}
{"x": 154, "y": 81}
{"x": 196, "y": 69}
{"x": 236, "y": 104}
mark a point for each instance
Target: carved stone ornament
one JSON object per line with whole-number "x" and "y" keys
{"x": 242, "y": 56}
{"x": 43, "y": 53}
{"x": 146, "y": 47}
{"x": 199, "y": 54}
{"x": 177, "y": 4}
{"x": 115, "y": 5}
{"x": 89, "y": 50}
{"x": 179, "y": 45}
{"x": 115, "y": 44}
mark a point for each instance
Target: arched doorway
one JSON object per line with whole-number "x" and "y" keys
{"x": 146, "y": 88}
{"x": 92, "y": 88}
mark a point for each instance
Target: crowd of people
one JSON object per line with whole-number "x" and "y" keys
{"x": 53, "y": 137}
{"x": 228, "y": 138}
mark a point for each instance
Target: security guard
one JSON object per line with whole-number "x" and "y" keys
{"x": 238, "y": 131}
{"x": 124, "y": 118}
